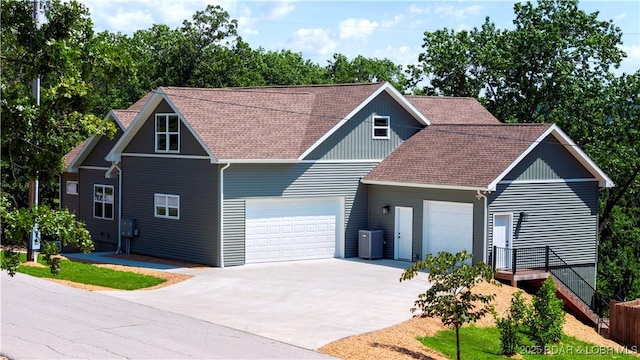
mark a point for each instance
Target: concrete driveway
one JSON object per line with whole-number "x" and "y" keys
{"x": 303, "y": 303}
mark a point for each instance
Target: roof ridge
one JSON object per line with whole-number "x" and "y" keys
{"x": 445, "y": 97}
{"x": 270, "y": 86}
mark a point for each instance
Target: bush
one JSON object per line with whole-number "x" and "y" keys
{"x": 546, "y": 319}
{"x": 510, "y": 326}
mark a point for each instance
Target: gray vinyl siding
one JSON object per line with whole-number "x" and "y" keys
{"x": 354, "y": 139}
{"x": 144, "y": 140}
{"x": 104, "y": 232}
{"x": 561, "y": 215}
{"x": 393, "y": 196}
{"x": 97, "y": 155}
{"x": 68, "y": 201}
{"x": 244, "y": 181}
{"x": 549, "y": 160}
{"x": 194, "y": 236}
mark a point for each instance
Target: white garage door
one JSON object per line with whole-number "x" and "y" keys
{"x": 292, "y": 229}
{"x": 447, "y": 226}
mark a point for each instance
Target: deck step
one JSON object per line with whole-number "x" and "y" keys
{"x": 575, "y": 305}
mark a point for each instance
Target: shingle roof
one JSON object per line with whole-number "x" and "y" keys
{"x": 71, "y": 155}
{"x": 266, "y": 122}
{"x": 457, "y": 155}
{"x": 452, "y": 110}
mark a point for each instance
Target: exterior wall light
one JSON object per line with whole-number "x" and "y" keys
{"x": 524, "y": 216}
{"x": 385, "y": 209}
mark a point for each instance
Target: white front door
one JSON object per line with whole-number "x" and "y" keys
{"x": 502, "y": 239}
{"x": 403, "y": 237}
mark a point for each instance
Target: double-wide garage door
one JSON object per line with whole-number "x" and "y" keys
{"x": 291, "y": 229}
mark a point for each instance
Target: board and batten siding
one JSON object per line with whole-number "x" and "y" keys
{"x": 549, "y": 160}
{"x": 353, "y": 140}
{"x": 563, "y": 215}
{"x": 104, "y": 232}
{"x": 97, "y": 155}
{"x": 194, "y": 236}
{"x": 250, "y": 181}
{"x": 392, "y": 196}
{"x": 144, "y": 140}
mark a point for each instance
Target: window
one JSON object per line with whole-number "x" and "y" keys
{"x": 103, "y": 202}
{"x": 167, "y": 206}
{"x": 380, "y": 127}
{"x": 72, "y": 187}
{"x": 167, "y": 133}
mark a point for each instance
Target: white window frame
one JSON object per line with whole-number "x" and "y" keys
{"x": 165, "y": 206}
{"x": 386, "y": 127}
{"x": 75, "y": 189}
{"x": 104, "y": 201}
{"x": 164, "y": 148}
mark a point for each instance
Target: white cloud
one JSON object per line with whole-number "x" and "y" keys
{"x": 393, "y": 22}
{"x": 401, "y": 55}
{"x": 314, "y": 41}
{"x": 274, "y": 10}
{"x": 129, "y": 22}
{"x": 458, "y": 13}
{"x": 620, "y": 16}
{"x": 631, "y": 63}
{"x": 417, "y": 10}
{"x": 357, "y": 29}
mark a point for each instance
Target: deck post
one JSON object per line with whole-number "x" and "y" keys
{"x": 546, "y": 258}
{"x": 514, "y": 259}
{"x": 493, "y": 258}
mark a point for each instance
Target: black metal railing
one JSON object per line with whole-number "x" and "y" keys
{"x": 544, "y": 258}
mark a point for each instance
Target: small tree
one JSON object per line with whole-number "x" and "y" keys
{"x": 547, "y": 316}
{"x": 450, "y": 296}
{"x": 510, "y": 325}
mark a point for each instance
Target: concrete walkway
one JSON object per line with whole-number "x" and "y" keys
{"x": 303, "y": 303}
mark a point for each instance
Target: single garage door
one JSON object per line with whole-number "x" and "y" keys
{"x": 447, "y": 226}
{"x": 292, "y": 229}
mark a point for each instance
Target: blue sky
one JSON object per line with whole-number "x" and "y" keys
{"x": 318, "y": 29}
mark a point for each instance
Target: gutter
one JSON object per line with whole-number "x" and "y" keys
{"x": 483, "y": 195}
{"x": 221, "y": 212}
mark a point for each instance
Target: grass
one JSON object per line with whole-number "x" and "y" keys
{"x": 484, "y": 343}
{"x": 89, "y": 274}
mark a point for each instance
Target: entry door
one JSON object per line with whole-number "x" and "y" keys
{"x": 404, "y": 232}
{"x": 502, "y": 239}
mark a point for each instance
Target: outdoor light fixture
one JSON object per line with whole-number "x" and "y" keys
{"x": 385, "y": 209}
{"x": 524, "y": 216}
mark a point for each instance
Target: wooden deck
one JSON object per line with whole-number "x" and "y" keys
{"x": 521, "y": 275}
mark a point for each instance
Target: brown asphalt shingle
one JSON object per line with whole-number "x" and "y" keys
{"x": 452, "y": 110}
{"x": 457, "y": 155}
{"x": 267, "y": 122}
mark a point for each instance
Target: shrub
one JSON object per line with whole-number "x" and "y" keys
{"x": 510, "y": 326}
{"x": 547, "y": 316}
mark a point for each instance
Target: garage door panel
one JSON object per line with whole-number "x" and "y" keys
{"x": 296, "y": 229}
{"x": 448, "y": 226}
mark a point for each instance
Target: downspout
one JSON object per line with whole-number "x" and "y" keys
{"x": 222, "y": 213}
{"x": 486, "y": 222}
{"x": 119, "y": 207}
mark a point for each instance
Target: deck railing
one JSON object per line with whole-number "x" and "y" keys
{"x": 544, "y": 258}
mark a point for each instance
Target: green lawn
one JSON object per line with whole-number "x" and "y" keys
{"x": 484, "y": 343}
{"x": 92, "y": 275}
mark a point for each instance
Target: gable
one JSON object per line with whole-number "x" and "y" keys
{"x": 550, "y": 160}
{"x": 143, "y": 142}
{"x": 96, "y": 156}
{"x": 354, "y": 139}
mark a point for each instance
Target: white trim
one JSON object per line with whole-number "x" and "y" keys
{"x": 94, "y": 168}
{"x": 485, "y": 225}
{"x": 166, "y": 196}
{"x": 166, "y": 133}
{"x": 375, "y": 127}
{"x": 416, "y": 185}
{"x": 222, "y": 214}
{"x": 91, "y": 143}
{"x": 116, "y": 151}
{"x": 583, "y": 159}
{"x": 402, "y": 101}
{"x": 103, "y": 201}
{"x": 66, "y": 187}
{"x": 167, "y": 155}
{"x": 396, "y": 240}
{"x": 547, "y": 181}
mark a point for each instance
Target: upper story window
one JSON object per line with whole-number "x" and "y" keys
{"x": 72, "y": 187}
{"x": 167, "y": 206}
{"x": 381, "y": 127}
{"x": 167, "y": 133}
{"x": 103, "y": 202}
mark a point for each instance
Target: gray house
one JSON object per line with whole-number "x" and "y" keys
{"x": 243, "y": 175}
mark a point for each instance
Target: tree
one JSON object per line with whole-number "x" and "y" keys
{"x": 362, "y": 70}
{"x": 546, "y": 319}
{"x": 450, "y": 295}
{"x": 556, "y": 66}
{"x": 63, "y": 54}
